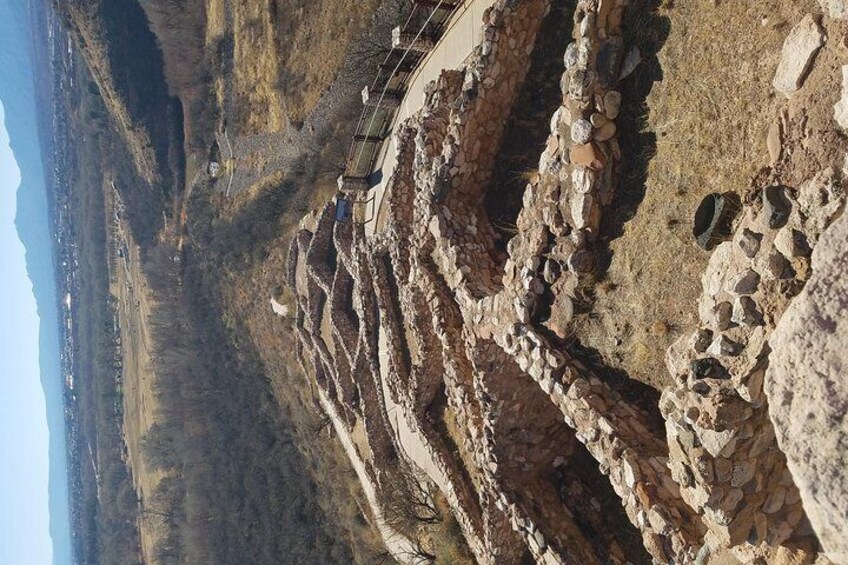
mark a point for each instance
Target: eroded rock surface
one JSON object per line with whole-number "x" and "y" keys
{"x": 807, "y": 388}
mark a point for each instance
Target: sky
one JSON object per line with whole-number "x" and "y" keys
{"x": 24, "y": 463}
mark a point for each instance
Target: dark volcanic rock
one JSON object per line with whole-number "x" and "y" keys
{"x": 713, "y": 219}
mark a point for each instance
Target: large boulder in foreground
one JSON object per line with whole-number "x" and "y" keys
{"x": 807, "y": 388}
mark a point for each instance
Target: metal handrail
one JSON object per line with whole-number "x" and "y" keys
{"x": 376, "y": 81}
{"x": 352, "y": 164}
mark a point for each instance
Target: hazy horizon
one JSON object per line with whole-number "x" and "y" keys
{"x": 34, "y": 515}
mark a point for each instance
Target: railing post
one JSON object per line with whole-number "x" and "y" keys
{"x": 408, "y": 42}
{"x": 376, "y": 98}
{"x": 352, "y": 184}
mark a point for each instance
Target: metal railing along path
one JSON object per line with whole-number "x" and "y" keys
{"x": 393, "y": 84}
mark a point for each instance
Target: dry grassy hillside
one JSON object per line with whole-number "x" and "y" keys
{"x": 278, "y": 57}
{"x": 698, "y": 111}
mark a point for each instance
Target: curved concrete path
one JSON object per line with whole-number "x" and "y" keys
{"x": 456, "y": 44}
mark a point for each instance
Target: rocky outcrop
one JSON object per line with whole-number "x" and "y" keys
{"x": 722, "y": 445}
{"x": 807, "y": 390}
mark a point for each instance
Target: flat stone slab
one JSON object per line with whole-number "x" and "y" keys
{"x": 798, "y": 50}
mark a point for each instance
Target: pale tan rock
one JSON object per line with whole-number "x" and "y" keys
{"x": 774, "y": 143}
{"x": 798, "y": 50}
{"x": 840, "y": 110}
{"x": 586, "y": 155}
{"x": 807, "y": 389}
{"x": 836, "y": 9}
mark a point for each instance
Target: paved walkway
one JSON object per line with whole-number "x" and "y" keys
{"x": 402, "y": 548}
{"x": 457, "y": 43}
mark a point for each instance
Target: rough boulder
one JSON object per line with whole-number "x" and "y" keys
{"x": 807, "y": 388}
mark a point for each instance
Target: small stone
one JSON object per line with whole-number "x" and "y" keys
{"x": 536, "y": 286}
{"x": 718, "y": 443}
{"x": 634, "y": 57}
{"x": 723, "y": 315}
{"x": 749, "y": 242}
{"x": 751, "y": 387}
{"x": 598, "y": 120}
{"x": 722, "y": 346}
{"x": 745, "y": 312}
{"x": 712, "y": 221}
{"x": 700, "y": 387}
{"x": 745, "y": 282}
{"x": 552, "y": 271}
{"x": 612, "y": 104}
{"x": 586, "y": 155}
{"x": 692, "y": 414}
{"x": 538, "y": 539}
{"x": 702, "y": 340}
{"x": 708, "y": 368}
{"x": 779, "y": 266}
{"x": 581, "y": 131}
{"x": 582, "y": 179}
{"x": 743, "y": 472}
{"x": 570, "y": 58}
{"x": 798, "y": 50}
{"x": 723, "y": 469}
{"x": 560, "y": 117}
{"x": 606, "y": 132}
{"x": 775, "y": 501}
{"x": 582, "y": 210}
{"x": 776, "y": 207}
{"x": 522, "y": 312}
{"x": 791, "y": 243}
{"x": 581, "y": 262}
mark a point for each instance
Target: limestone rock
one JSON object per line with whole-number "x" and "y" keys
{"x": 836, "y": 9}
{"x": 581, "y": 131}
{"x": 612, "y": 104}
{"x": 749, "y": 242}
{"x": 798, "y": 50}
{"x": 840, "y": 110}
{"x": 807, "y": 390}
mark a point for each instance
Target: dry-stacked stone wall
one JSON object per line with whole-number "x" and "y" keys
{"x": 724, "y": 454}
{"x": 428, "y": 306}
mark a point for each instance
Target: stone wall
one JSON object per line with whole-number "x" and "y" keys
{"x": 428, "y": 306}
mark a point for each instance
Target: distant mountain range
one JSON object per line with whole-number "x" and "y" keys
{"x": 18, "y": 94}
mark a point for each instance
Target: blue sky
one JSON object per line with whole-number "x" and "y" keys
{"x": 24, "y": 464}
